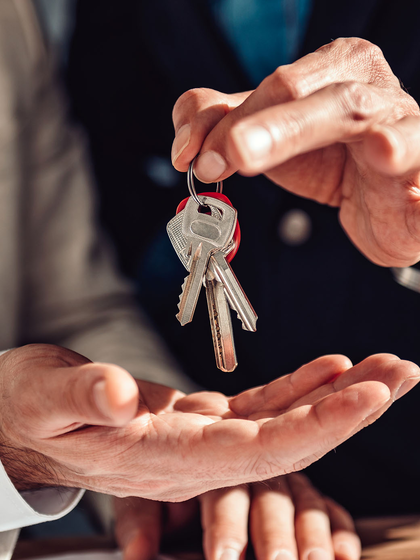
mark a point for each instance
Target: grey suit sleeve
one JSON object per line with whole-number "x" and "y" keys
{"x": 74, "y": 295}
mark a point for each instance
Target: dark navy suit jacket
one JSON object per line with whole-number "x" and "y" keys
{"x": 129, "y": 62}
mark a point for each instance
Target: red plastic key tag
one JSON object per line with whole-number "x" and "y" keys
{"x": 223, "y": 198}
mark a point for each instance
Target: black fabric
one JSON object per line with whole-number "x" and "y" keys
{"x": 391, "y": 25}
{"x": 129, "y": 62}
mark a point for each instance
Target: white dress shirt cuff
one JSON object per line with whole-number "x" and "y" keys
{"x": 29, "y": 508}
{"x": 7, "y": 543}
{"x": 32, "y": 507}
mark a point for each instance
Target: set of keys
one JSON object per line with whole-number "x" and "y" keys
{"x": 205, "y": 235}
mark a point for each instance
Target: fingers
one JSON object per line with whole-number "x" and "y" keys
{"x": 399, "y": 376}
{"x": 195, "y": 114}
{"x": 346, "y": 543}
{"x": 138, "y": 525}
{"x": 289, "y": 519}
{"x": 272, "y": 520}
{"x": 329, "y": 420}
{"x": 394, "y": 149}
{"x": 99, "y": 394}
{"x": 249, "y": 144}
{"x": 312, "y": 523}
{"x": 320, "y": 427}
{"x": 50, "y": 395}
{"x": 324, "y": 529}
{"x": 340, "y": 112}
{"x": 312, "y": 382}
{"x": 282, "y": 393}
{"x": 288, "y": 441}
{"x": 224, "y": 517}
{"x": 204, "y": 402}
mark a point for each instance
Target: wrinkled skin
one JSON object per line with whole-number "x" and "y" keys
{"x": 335, "y": 127}
{"x": 287, "y": 517}
{"x": 69, "y": 422}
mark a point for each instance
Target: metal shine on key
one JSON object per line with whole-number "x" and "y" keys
{"x": 202, "y": 243}
{"x": 218, "y": 307}
{"x": 205, "y": 234}
{"x": 221, "y": 324}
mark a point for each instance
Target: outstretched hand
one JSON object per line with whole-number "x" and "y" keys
{"x": 66, "y": 421}
{"x": 335, "y": 126}
{"x": 286, "y": 516}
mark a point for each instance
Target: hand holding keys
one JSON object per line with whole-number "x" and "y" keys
{"x": 205, "y": 243}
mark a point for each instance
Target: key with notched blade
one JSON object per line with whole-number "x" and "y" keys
{"x": 218, "y": 307}
{"x": 220, "y": 323}
{"x": 234, "y": 292}
{"x": 204, "y": 234}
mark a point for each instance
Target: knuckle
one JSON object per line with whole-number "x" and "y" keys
{"x": 360, "y": 48}
{"x": 407, "y": 106}
{"x": 375, "y": 66}
{"x": 366, "y": 58}
{"x": 190, "y": 102}
{"x": 295, "y": 128}
{"x": 343, "y": 46}
{"x": 285, "y": 84}
{"x": 357, "y": 100}
{"x": 367, "y": 49}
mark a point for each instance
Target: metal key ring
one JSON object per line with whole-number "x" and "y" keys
{"x": 191, "y": 186}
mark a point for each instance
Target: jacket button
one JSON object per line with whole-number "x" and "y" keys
{"x": 295, "y": 227}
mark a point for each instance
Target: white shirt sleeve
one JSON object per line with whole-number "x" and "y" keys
{"x": 29, "y": 508}
{"x": 7, "y": 543}
{"x": 20, "y": 509}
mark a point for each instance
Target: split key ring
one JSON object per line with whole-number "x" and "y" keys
{"x": 191, "y": 185}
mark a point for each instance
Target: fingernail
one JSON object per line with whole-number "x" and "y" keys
{"x": 256, "y": 140}
{"x": 347, "y": 551}
{"x": 229, "y": 554}
{"x": 101, "y": 399}
{"x": 285, "y": 555}
{"x": 209, "y": 167}
{"x": 181, "y": 141}
{"x": 406, "y": 386}
{"x": 318, "y": 554}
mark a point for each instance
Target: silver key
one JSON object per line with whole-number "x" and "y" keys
{"x": 235, "y": 294}
{"x": 221, "y": 269}
{"x": 204, "y": 234}
{"x": 179, "y": 242}
{"x": 219, "y": 312}
{"x": 221, "y": 324}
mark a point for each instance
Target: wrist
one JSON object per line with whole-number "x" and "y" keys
{"x": 20, "y": 509}
{"x": 27, "y": 469}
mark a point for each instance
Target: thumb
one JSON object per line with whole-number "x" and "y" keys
{"x": 393, "y": 149}
{"x": 94, "y": 393}
{"x": 47, "y": 396}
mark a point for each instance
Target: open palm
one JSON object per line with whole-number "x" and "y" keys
{"x": 156, "y": 442}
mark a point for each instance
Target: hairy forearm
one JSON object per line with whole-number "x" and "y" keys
{"x": 27, "y": 469}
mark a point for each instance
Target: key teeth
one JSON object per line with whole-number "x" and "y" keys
{"x": 182, "y": 292}
{"x": 242, "y": 323}
{"x": 254, "y": 326}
